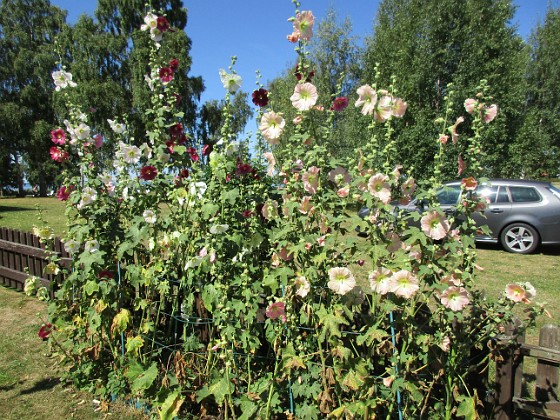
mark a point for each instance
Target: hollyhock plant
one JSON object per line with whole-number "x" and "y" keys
{"x": 118, "y": 128}
{"x": 310, "y": 180}
{"x": 59, "y": 155}
{"x": 383, "y": 109}
{"x": 341, "y": 280}
{"x": 339, "y": 176}
{"x": 271, "y": 160}
{"x": 378, "y": 186}
{"x": 340, "y": 103}
{"x": 231, "y": 81}
{"x": 305, "y": 96}
{"x": 469, "y": 184}
{"x": 302, "y": 285}
{"x": 193, "y": 154}
{"x": 470, "y": 105}
{"x": 453, "y": 130}
{"x": 260, "y": 97}
{"x": 148, "y": 172}
{"x": 455, "y": 298}
{"x": 380, "y": 280}
{"x": 174, "y": 65}
{"x": 165, "y": 75}
{"x": 367, "y": 99}
{"x": 435, "y": 225}
{"x": 277, "y": 310}
{"x": 58, "y": 137}
{"x": 272, "y": 126}
{"x": 398, "y": 107}
{"x": 303, "y": 25}
{"x": 403, "y": 283}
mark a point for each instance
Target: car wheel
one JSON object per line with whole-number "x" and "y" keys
{"x": 520, "y": 238}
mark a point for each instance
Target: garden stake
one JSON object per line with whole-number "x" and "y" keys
{"x": 394, "y": 340}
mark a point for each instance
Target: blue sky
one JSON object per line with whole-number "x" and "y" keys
{"x": 255, "y": 31}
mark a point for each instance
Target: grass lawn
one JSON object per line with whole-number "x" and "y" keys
{"x": 21, "y": 213}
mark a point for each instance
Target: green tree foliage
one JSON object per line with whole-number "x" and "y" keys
{"x": 537, "y": 144}
{"x": 427, "y": 44}
{"x": 27, "y": 32}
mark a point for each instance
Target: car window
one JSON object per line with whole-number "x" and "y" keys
{"x": 554, "y": 191}
{"x": 503, "y": 196}
{"x": 449, "y": 195}
{"x": 487, "y": 192}
{"x": 524, "y": 194}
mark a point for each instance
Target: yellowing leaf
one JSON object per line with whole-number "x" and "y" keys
{"x": 120, "y": 322}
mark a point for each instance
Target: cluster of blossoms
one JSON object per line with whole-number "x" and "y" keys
{"x": 381, "y": 109}
{"x": 303, "y": 27}
{"x": 157, "y": 25}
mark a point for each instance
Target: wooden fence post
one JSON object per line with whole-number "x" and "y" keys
{"x": 546, "y": 388}
{"x": 508, "y": 375}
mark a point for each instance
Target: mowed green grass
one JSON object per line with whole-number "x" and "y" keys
{"x": 22, "y": 213}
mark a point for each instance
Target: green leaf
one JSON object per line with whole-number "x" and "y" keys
{"x": 171, "y": 405}
{"x": 373, "y": 334}
{"x": 231, "y": 195}
{"x": 209, "y": 297}
{"x": 467, "y": 407}
{"x": 331, "y": 323}
{"x": 133, "y": 344}
{"x": 218, "y": 389}
{"x": 141, "y": 379}
{"x": 91, "y": 287}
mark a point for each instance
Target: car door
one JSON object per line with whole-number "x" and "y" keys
{"x": 497, "y": 209}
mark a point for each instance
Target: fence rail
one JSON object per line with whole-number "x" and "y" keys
{"x": 21, "y": 251}
{"x": 509, "y": 401}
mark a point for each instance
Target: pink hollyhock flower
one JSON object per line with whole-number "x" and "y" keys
{"x": 489, "y": 113}
{"x": 341, "y": 280}
{"x": 445, "y": 344}
{"x": 398, "y": 107}
{"x": 443, "y": 138}
{"x": 98, "y": 141}
{"x": 434, "y": 225}
{"x": 339, "y": 176}
{"x": 165, "y": 75}
{"x": 469, "y": 184}
{"x": 388, "y": 381}
{"x": 340, "y": 103}
{"x": 45, "y": 331}
{"x": 64, "y": 192}
{"x": 260, "y": 97}
{"x": 272, "y": 126}
{"x": 303, "y": 25}
{"x": 408, "y": 187}
{"x": 193, "y": 154}
{"x": 380, "y": 281}
{"x": 453, "y": 130}
{"x": 455, "y": 298}
{"x": 343, "y": 192}
{"x": 58, "y": 136}
{"x": 515, "y": 292}
{"x": 302, "y": 286}
{"x": 367, "y": 99}
{"x": 305, "y": 96}
{"x": 148, "y": 172}
{"x": 293, "y": 37}
{"x": 461, "y": 165}
{"x": 207, "y": 149}
{"x": 174, "y": 65}
{"x": 383, "y": 109}
{"x": 378, "y": 186}
{"x": 470, "y": 105}
{"x": 404, "y": 284}
{"x": 297, "y": 120}
{"x": 306, "y": 207}
{"x": 59, "y": 155}
{"x": 276, "y": 310}
{"x": 270, "y": 209}
{"x": 271, "y": 163}
{"x": 311, "y": 180}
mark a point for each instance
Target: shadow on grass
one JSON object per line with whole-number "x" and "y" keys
{"x": 9, "y": 209}
{"x": 542, "y": 250}
{"x": 42, "y": 385}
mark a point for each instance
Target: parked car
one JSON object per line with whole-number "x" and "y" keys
{"x": 520, "y": 215}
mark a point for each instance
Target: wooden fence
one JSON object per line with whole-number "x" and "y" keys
{"x": 510, "y": 382}
{"x": 22, "y": 250}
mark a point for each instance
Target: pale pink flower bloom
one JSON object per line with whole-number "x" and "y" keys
{"x": 455, "y": 298}
{"x": 305, "y": 96}
{"x": 339, "y": 175}
{"x": 343, "y": 192}
{"x": 383, "y": 110}
{"x": 276, "y": 310}
{"x": 302, "y": 286}
{"x": 388, "y": 381}
{"x": 435, "y": 225}
{"x": 275, "y": 260}
{"x": 515, "y": 292}
{"x": 453, "y": 130}
{"x": 306, "y": 207}
{"x": 445, "y": 344}
{"x": 415, "y": 254}
{"x": 272, "y": 126}
{"x": 270, "y": 209}
{"x": 530, "y": 291}
{"x": 461, "y": 165}
{"x": 271, "y": 163}
{"x": 470, "y": 105}
{"x": 321, "y": 240}
{"x": 380, "y": 281}
{"x": 341, "y": 280}
{"x": 311, "y": 180}
{"x": 443, "y": 138}
{"x": 398, "y": 107}
{"x": 452, "y": 280}
{"x": 367, "y": 99}
{"x": 489, "y": 113}
{"x": 408, "y": 187}
{"x": 297, "y": 120}
{"x": 404, "y": 284}
{"x": 469, "y": 184}
{"x": 378, "y": 186}
{"x": 293, "y": 37}
{"x": 303, "y": 24}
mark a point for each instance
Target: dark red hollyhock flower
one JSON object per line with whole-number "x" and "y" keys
{"x": 58, "y": 136}
{"x": 162, "y": 24}
{"x": 243, "y": 168}
{"x": 184, "y": 173}
{"x": 299, "y": 74}
{"x": 182, "y": 139}
{"x": 45, "y": 331}
{"x": 64, "y": 192}
{"x": 207, "y": 149}
{"x": 340, "y": 103}
{"x": 174, "y": 65}
{"x": 148, "y": 172}
{"x": 170, "y": 146}
{"x": 260, "y": 97}
{"x": 176, "y": 130}
{"x": 106, "y": 274}
{"x": 247, "y": 213}
{"x": 165, "y": 75}
{"x": 193, "y": 154}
